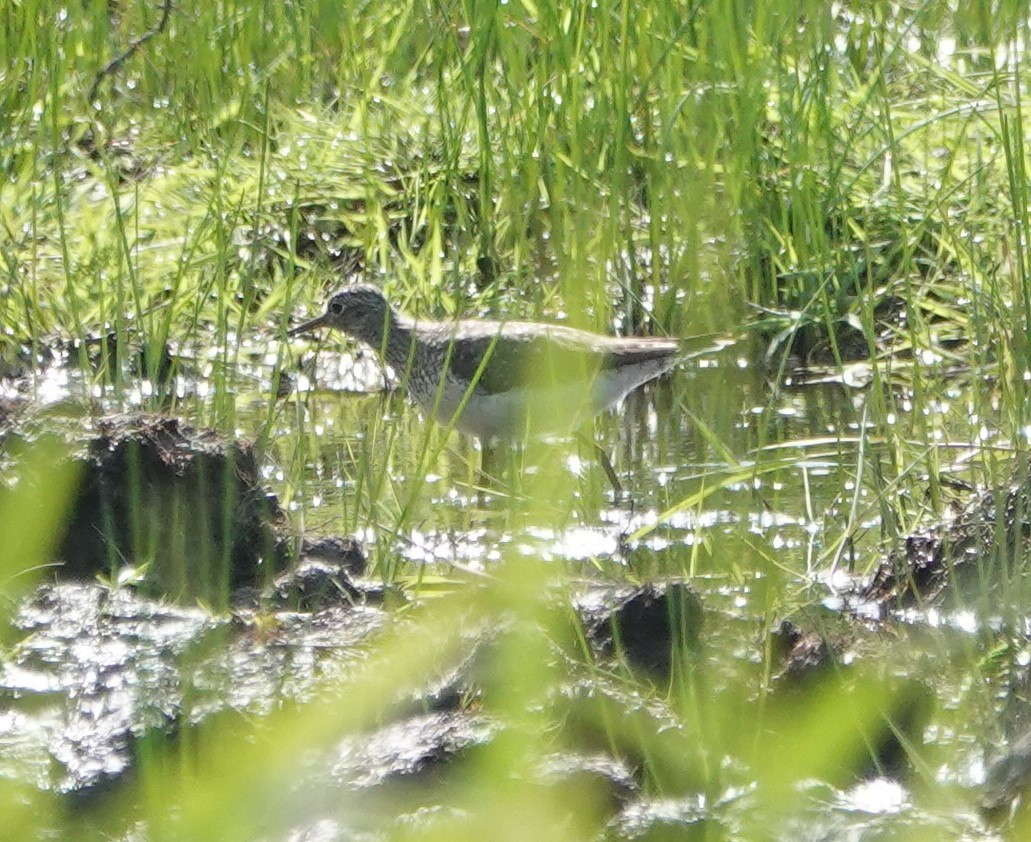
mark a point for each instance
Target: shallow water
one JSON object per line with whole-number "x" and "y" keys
{"x": 744, "y": 489}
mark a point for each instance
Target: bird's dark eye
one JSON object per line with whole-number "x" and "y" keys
{"x": 336, "y": 307}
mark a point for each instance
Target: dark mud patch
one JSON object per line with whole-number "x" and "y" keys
{"x": 646, "y": 627}
{"x": 100, "y": 669}
{"x": 802, "y": 654}
{"x": 102, "y": 676}
{"x": 975, "y": 554}
{"x": 321, "y": 578}
{"x": 187, "y": 505}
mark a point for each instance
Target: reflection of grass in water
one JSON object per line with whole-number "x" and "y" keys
{"x": 771, "y": 154}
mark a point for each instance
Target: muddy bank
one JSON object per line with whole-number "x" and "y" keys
{"x": 101, "y": 674}
{"x": 975, "y": 554}
{"x": 97, "y": 670}
{"x": 187, "y": 508}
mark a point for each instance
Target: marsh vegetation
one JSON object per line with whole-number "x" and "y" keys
{"x": 744, "y": 644}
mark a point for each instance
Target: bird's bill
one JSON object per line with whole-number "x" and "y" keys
{"x": 307, "y": 327}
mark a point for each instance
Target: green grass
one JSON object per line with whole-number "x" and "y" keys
{"x": 777, "y": 171}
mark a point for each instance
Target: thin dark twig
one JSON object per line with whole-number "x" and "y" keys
{"x": 134, "y": 45}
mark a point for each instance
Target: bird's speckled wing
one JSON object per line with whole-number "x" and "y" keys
{"x": 526, "y": 354}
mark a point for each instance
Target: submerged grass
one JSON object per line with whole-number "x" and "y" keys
{"x": 843, "y": 180}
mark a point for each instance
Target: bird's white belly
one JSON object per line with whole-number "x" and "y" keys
{"x": 477, "y": 414}
{"x": 536, "y": 408}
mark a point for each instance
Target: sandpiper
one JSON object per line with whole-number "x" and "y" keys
{"x": 498, "y": 379}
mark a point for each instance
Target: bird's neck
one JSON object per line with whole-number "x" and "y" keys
{"x": 396, "y": 339}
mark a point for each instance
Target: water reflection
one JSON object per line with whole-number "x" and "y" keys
{"x": 705, "y": 431}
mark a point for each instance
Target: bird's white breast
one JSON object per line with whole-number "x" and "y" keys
{"x": 535, "y": 408}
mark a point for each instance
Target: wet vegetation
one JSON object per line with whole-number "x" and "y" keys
{"x": 249, "y": 592}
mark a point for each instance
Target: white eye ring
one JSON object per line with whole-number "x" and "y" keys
{"x": 336, "y": 307}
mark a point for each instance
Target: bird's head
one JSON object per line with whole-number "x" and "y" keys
{"x": 360, "y": 310}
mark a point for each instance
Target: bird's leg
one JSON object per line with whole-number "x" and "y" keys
{"x": 501, "y": 466}
{"x": 492, "y": 464}
{"x": 606, "y": 466}
{"x": 488, "y": 460}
